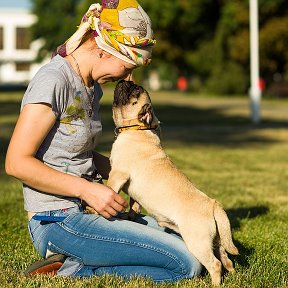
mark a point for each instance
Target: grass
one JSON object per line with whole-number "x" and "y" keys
{"x": 212, "y": 141}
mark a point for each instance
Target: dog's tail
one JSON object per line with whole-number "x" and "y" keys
{"x": 224, "y": 229}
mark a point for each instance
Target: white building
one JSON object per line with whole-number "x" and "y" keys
{"x": 17, "y": 52}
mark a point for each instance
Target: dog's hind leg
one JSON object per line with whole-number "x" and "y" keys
{"x": 221, "y": 254}
{"x": 227, "y": 263}
{"x": 199, "y": 243}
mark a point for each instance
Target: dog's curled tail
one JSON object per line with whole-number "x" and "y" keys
{"x": 224, "y": 229}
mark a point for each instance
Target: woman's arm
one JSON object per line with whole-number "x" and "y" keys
{"x": 33, "y": 125}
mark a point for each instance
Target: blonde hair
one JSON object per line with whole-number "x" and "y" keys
{"x": 89, "y": 40}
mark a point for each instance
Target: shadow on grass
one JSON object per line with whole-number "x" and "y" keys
{"x": 172, "y": 116}
{"x": 244, "y": 253}
{"x": 237, "y": 214}
{"x": 181, "y": 125}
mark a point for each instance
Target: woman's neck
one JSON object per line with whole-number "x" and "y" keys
{"x": 78, "y": 64}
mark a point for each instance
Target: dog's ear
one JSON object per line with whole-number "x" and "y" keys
{"x": 146, "y": 114}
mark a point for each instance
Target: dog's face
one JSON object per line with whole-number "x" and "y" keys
{"x": 132, "y": 101}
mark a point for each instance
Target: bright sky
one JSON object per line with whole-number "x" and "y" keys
{"x": 15, "y": 4}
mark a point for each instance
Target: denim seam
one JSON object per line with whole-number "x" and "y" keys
{"x": 182, "y": 267}
{"x": 39, "y": 238}
{"x": 35, "y": 227}
{"x": 122, "y": 241}
{"x": 77, "y": 270}
{"x": 30, "y": 232}
{"x": 62, "y": 251}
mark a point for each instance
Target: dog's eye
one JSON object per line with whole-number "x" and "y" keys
{"x": 134, "y": 103}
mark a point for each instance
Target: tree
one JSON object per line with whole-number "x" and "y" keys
{"x": 206, "y": 40}
{"x": 56, "y": 22}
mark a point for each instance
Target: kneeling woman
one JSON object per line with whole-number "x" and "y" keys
{"x": 52, "y": 153}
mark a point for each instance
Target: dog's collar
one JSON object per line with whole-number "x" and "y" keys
{"x": 118, "y": 130}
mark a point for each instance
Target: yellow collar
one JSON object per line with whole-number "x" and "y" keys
{"x": 136, "y": 126}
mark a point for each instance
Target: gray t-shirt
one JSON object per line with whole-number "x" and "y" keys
{"x": 69, "y": 144}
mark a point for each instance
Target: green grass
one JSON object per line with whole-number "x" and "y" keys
{"x": 212, "y": 141}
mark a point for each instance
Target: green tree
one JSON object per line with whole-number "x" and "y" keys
{"x": 227, "y": 69}
{"x": 205, "y": 40}
{"x": 57, "y": 20}
{"x": 180, "y": 25}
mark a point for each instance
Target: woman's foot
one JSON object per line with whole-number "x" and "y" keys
{"x": 48, "y": 266}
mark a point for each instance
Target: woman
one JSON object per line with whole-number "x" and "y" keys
{"x": 52, "y": 153}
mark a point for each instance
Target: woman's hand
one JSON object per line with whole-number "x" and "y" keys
{"x": 103, "y": 199}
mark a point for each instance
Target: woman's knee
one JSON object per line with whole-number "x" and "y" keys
{"x": 195, "y": 268}
{"x": 185, "y": 267}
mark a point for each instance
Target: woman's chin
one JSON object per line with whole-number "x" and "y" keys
{"x": 106, "y": 80}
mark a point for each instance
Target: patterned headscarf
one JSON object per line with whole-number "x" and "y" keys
{"x": 120, "y": 27}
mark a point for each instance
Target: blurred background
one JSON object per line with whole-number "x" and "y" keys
{"x": 202, "y": 45}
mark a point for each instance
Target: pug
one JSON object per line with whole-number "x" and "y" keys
{"x": 141, "y": 168}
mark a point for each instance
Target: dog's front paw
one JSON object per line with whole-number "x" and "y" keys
{"x": 87, "y": 209}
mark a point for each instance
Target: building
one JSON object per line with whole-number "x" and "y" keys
{"x": 17, "y": 52}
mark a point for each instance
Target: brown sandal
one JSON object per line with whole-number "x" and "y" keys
{"x": 48, "y": 266}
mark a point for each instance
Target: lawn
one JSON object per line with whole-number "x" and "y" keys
{"x": 212, "y": 141}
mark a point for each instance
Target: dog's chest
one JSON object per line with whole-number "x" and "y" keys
{"x": 133, "y": 146}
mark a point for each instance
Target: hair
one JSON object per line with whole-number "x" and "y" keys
{"x": 89, "y": 41}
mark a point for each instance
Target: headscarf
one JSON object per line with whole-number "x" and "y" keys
{"x": 120, "y": 27}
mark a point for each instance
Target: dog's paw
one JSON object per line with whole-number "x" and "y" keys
{"x": 89, "y": 210}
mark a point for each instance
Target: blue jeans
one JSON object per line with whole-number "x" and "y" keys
{"x": 97, "y": 246}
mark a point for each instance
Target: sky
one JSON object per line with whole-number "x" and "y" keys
{"x": 15, "y": 4}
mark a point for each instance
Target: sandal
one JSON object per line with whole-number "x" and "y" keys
{"x": 48, "y": 266}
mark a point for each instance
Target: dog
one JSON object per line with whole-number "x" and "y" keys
{"x": 140, "y": 167}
